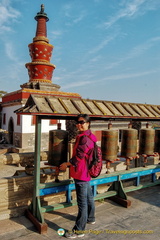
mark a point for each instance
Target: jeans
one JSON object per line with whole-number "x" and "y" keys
{"x": 86, "y": 207}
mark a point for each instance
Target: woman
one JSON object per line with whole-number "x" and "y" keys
{"x": 79, "y": 171}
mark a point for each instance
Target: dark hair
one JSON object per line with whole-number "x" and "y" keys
{"x": 85, "y": 116}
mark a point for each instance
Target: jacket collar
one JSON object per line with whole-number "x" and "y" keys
{"x": 87, "y": 132}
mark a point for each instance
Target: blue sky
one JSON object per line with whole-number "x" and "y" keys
{"x": 103, "y": 49}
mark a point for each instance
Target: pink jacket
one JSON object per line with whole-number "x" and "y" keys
{"x": 81, "y": 151}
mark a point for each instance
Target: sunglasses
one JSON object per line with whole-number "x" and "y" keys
{"x": 80, "y": 122}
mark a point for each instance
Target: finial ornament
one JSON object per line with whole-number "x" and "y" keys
{"x": 41, "y": 13}
{"x": 42, "y": 8}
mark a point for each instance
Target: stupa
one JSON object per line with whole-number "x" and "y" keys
{"x": 21, "y": 129}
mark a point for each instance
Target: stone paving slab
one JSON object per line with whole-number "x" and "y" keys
{"x": 141, "y": 221}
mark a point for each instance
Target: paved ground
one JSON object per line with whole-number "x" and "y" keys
{"x": 141, "y": 221}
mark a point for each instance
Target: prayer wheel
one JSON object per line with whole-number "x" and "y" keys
{"x": 58, "y": 147}
{"x": 157, "y": 141}
{"x": 146, "y": 141}
{"x": 109, "y": 144}
{"x": 129, "y": 143}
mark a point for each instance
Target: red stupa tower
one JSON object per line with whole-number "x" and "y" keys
{"x": 40, "y": 70}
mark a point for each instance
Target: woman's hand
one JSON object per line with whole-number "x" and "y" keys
{"x": 64, "y": 165}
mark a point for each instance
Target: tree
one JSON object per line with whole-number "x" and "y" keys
{"x": 2, "y": 93}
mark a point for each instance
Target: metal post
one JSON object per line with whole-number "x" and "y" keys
{"x": 36, "y": 210}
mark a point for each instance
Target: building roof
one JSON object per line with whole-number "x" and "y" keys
{"x": 69, "y": 107}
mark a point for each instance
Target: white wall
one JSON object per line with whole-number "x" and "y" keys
{"x": 26, "y": 121}
{"x": 27, "y": 126}
{"x": 9, "y": 111}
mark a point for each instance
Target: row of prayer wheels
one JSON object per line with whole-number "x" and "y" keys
{"x": 149, "y": 142}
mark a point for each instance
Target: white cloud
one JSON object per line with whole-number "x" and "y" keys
{"x": 95, "y": 59}
{"x": 56, "y": 34}
{"x": 135, "y": 52}
{"x": 15, "y": 71}
{"x": 77, "y": 84}
{"x": 16, "y": 65}
{"x": 128, "y": 75}
{"x": 7, "y": 15}
{"x": 140, "y": 49}
{"x": 9, "y": 49}
{"x": 72, "y": 15}
{"x": 80, "y": 17}
{"x": 95, "y": 79}
{"x": 132, "y": 8}
{"x": 98, "y": 1}
{"x": 103, "y": 43}
{"x": 67, "y": 10}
